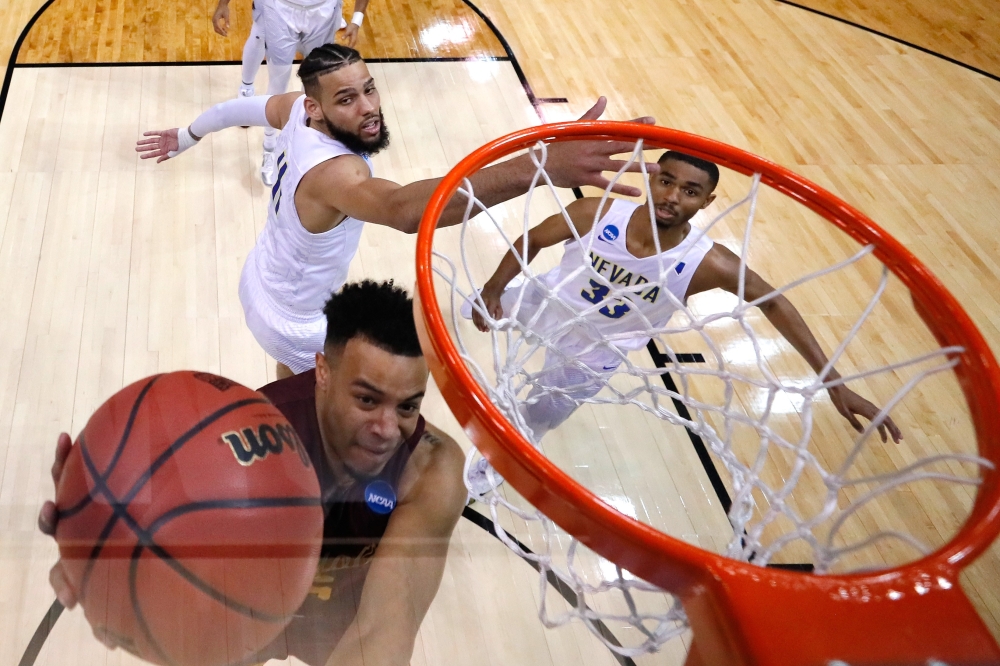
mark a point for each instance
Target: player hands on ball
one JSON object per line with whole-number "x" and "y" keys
{"x": 390, "y": 483}
{"x": 624, "y": 252}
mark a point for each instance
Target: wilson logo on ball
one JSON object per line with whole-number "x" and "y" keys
{"x": 252, "y": 444}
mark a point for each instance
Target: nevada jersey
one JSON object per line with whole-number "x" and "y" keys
{"x": 297, "y": 269}
{"x": 621, "y": 297}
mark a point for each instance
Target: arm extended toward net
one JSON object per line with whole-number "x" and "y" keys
{"x": 721, "y": 269}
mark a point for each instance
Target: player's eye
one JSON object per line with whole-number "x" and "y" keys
{"x": 346, "y": 100}
{"x": 366, "y": 400}
{"x": 690, "y": 193}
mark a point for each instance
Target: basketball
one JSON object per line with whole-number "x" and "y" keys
{"x": 189, "y": 520}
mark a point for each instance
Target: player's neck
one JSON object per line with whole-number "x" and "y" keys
{"x": 639, "y": 236}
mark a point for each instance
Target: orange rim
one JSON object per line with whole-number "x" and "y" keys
{"x": 667, "y": 562}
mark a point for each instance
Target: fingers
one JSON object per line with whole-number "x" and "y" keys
{"x": 106, "y": 637}
{"x": 622, "y": 189}
{"x": 597, "y": 110}
{"x": 59, "y": 583}
{"x": 894, "y": 431}
{"x": 48, "y": 517}
{"x": 644, "y": 120}
{"x": 63, "y": 446}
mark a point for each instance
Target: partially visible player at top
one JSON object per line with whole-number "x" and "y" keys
{"x": 623, "y": 254}
{"x": 326, "y": 188}
{"x": 286, "y": 27}
{"x": 390, "y": 485}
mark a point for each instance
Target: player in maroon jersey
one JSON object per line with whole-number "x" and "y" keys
{"x": 391, "y": 485}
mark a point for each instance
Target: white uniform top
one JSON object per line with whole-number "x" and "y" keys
{"x": 613, "y": 286}
{"x": 298, "y": 269}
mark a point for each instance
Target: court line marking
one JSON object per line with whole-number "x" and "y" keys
{"x": 894, "y": 39}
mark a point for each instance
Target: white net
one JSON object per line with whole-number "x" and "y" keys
{"x": 803, "y": 489}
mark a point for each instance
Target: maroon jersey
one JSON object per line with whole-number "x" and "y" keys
{"x": 354, "y": 523}
{"x": 355, "y": 520}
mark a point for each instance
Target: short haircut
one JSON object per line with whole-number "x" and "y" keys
{"x": 322, "y": 60}
{"x": 379, "y": 312}
{"x": 708, "y": 167}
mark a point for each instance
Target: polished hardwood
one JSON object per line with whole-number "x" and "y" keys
{"x": 968, "y": 31}
{"x": 86, "y": 31}
{"x": 114, "y": 269}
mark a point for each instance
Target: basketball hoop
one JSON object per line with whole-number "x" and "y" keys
{"x": 741, "y": 612}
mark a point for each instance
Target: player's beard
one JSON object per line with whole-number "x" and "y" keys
{"x": 354, "y": 142}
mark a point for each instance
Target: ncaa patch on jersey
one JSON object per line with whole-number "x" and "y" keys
{"x": 380, "y": 497}
{"x": 679, "y": 267}
{"x": 610, "y": 232}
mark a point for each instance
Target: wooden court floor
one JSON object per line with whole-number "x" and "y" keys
{"x": 92, "y": 243}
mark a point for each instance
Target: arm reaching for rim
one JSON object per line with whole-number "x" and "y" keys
{"x": 408, "y": 565}
{"x": 721, "y": 269}
{"x": 380, "y": 201}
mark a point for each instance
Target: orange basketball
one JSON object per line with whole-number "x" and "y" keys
{"x": 189, "y": 519}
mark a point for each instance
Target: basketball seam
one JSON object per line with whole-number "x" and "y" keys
{"x": 79, "y": 506}
{"x": 117, "y": 504}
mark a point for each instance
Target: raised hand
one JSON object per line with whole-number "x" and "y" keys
{"x": 575, "y": 163}
{"x": 158, "y": 145}
{"x": 851, "y": 405}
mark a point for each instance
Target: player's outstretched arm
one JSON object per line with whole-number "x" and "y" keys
{"x": 549, "y": 232}
{"x": 721, "y": 269}
{"x": 407, "y": 568}
{"x": 261, "y": 111}
{"x": 569, "y": 164}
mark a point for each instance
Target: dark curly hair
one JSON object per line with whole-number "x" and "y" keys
{"x": 379, "y": 312}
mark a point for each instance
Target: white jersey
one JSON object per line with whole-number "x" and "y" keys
{"x": 297, "y": 269}
{"x": 598, "y": 276}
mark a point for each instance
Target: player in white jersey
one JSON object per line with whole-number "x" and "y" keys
{"x": 325, "y": 186}
{"x": 619, "y": 252}
{"x": 286, "y": 27}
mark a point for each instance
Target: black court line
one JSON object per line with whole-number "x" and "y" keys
{"x": 911, "y": 45}
{"x": 41, "y": 633}
{"x": 564, "y": 590}
{"x": 201, "y": 63}
{"x": 11, "y": 62}
{"x": 661, "y": 360}
{"x": 536, "y": 102}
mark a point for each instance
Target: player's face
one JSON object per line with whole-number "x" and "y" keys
{"x": 368, "y": 402}
{"x": 678, "y": 192}
{"x": 351, "y": 109}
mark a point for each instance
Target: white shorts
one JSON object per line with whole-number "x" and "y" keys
{"x": 291, "y": 28}
{"x": 256, "y": 10}
{"x": 288, "y": 338}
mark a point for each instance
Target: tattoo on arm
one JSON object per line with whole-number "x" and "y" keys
{"x": 431, "y": 438}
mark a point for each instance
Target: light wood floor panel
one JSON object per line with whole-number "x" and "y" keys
{"x": 968, "y": 31}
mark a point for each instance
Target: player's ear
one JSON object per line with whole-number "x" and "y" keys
{"x": 322, "y": 370}
{"x": 710, "y": 199}
{"x": 312, "y": 107}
